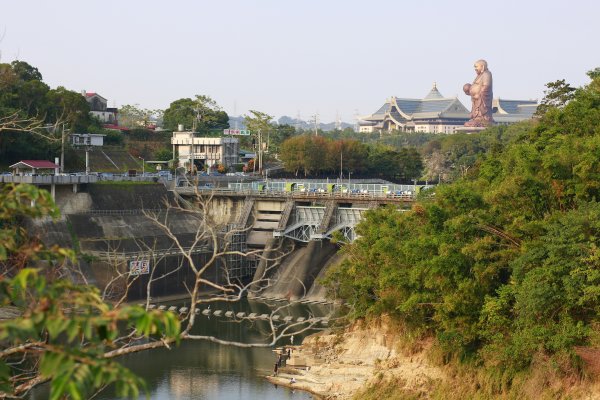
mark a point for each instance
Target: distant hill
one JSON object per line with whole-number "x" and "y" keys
{"x": 239, "y": 123}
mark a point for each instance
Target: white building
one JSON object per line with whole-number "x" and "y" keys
{"x": 204, "y": 151}
{"x": 99, "y": 109}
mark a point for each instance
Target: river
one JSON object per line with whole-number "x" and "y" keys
{"x": 201, "y": 370}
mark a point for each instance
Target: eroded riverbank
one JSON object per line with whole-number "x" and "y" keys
{"x": 371, "y": 359}
{"x": 342, "y": 364}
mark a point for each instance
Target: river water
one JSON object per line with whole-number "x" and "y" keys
{"x": 201, "y": 370}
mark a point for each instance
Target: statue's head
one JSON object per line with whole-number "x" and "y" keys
{"x": 467, "y": 88}
{"x": 480, "y": 66}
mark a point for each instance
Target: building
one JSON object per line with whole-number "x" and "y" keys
{"x": 99, "y": 109}
{"x": 438, "y": 114}
{"x": 432, "y": 114}
{"x": 87, "y": 139}
{"x": 510, "y": 111}
{"x": 201, "y": 152}
{"x": 35, "y": 167}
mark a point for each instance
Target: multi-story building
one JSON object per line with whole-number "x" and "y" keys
{"x": 99, "y": 109}
{"x": 438, "y": 114}
{"x": 204, "y": 151}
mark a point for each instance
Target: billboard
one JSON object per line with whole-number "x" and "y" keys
{"x": 236, "y": 132}
{"x": 139, "y": 267}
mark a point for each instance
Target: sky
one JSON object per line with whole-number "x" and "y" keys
{"x": 326, "y": 57}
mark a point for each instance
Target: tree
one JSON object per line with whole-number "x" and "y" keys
{"x": 557, "y": 95}
{"x": 132, "y": 116}
{"x": 30, "y": 109}
{"x": 164, "y": 154}
{"x": 69, "y": 107}
{"x": 57, "y": 331}
{"x": 201, "y": 114}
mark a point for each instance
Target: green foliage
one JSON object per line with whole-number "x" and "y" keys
{"x": 26, "y": 98}
{"x": 501, "y": 266}
{"x": 164, "y": 154}
{"x": 132, "y": 116}
{"x": 70, "y": 329}
{"x": 201, "y": 114}
{"x": 63, "y": 333}
{"x": 321, "y": 155}
{"x": 559, "y": 93}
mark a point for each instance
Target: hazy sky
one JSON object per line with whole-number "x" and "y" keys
{"x": 305, "y": 56}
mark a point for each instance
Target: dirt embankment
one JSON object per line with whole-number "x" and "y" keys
{"x": 342, "y": 364}
{"x": 374, "y": 360}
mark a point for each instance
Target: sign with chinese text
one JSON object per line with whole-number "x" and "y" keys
{"x": 236, "y": 132}
{"x": 139, "y": 267}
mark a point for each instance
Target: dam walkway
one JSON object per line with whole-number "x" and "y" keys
{"x": 302, "y": 211}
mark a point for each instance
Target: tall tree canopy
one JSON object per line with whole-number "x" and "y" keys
{"x": 200, "y": 114}
{"x": 28, "y": 107}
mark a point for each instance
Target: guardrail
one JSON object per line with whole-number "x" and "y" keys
{"x": 296, "y": 194}
{"x": 121, "y": 212}
{"x": 49, "y": 179}
{"x": 136, "y": 255}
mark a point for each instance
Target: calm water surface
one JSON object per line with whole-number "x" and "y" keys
{"x": 199, "y": 370}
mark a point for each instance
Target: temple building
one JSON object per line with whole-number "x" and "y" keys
{"x": 511, "y": 111}
{"x": 438, "y": 114}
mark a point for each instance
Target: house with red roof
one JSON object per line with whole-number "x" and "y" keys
{"x": 35, "y": 167}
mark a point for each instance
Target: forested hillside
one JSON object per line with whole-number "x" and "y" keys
{"x": 502, "y": 266}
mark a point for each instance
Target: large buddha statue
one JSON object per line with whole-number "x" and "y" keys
{"x": 481, "y": 96}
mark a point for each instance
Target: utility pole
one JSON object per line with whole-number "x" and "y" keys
{"x": 341, "y": 164}
{"x": 62, "y": 150}
{"x": 87, "y": 159}
{"x": 316, "y": 123}
{"x": 260, "y": 156}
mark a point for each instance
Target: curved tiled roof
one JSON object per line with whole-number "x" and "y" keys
{"x": 515, "y": 106}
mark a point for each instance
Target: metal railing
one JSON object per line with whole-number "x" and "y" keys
{"x": 295, "y": 194}
{"x": 121, "y": 212}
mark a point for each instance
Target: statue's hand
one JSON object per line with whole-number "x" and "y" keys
{"x": 467, "y": 88}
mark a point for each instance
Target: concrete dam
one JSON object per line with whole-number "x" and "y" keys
{"x": 280, "y": 244}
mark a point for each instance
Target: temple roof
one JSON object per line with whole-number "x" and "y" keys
{"x": 436, "y": 106}
{"x": 434, "y": 93}
{"x": 515, "y": 107}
